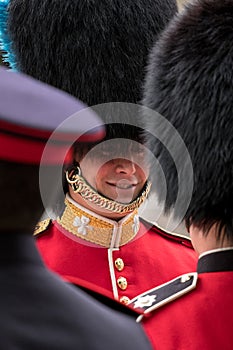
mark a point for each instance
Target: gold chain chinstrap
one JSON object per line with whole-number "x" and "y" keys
{"x": 79, "y": 185}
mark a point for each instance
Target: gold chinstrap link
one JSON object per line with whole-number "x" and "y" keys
{"x": 80, "y": 186}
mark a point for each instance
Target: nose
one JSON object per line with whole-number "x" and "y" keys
{"x": 125, "y": 166}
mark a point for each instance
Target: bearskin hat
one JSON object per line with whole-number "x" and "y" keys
{"x": 94, "y": 49}
{"x": 190, "y": 83}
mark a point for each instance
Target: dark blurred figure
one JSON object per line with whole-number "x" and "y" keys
{"x": 38, "y": 311}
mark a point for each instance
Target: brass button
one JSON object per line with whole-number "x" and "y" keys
{"x": 122, "y": 283}
{"x": 124, "y": 300}
{"x": 119, "y": 264}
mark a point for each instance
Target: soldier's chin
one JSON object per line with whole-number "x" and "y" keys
{"x": 124, "y": 198}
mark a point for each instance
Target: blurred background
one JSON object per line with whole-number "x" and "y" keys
{"x": 180, "y": 3}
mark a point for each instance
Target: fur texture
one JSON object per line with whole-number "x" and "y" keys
{"x": 190, "y": 82}
{"x": 94, "y": 49}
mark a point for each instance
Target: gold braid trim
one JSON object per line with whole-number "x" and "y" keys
{"x": 80, "y": 186}
{"x": 93, "y": 229}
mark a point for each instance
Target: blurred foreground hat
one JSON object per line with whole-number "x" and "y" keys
{"x": 30, "y": 111}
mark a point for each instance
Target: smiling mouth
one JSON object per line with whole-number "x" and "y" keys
{"x": 122, "y": 186}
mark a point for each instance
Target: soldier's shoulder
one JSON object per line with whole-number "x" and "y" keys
{"x": 164, "y": 294}
{"x": 173, "y": 236}
{"x": 42, "y": 226}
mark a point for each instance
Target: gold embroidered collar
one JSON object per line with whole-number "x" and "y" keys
{"x": 94, "y": 228}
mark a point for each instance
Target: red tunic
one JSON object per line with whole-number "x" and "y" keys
{"x": 201, "y": 319}
{"x": 120, "y": 272}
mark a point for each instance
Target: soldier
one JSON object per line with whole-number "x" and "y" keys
{"x": 97, "y": 51}
{"x": 38, "y": 310}
{"x": 190, "y": 82}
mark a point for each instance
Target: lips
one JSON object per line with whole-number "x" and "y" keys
{"x": 125, "y": 187}
{"x": 123, "y": 184}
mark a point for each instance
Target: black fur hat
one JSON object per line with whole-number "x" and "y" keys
{"x": 190, "y": 82}
{"x": 93, "y": 49}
